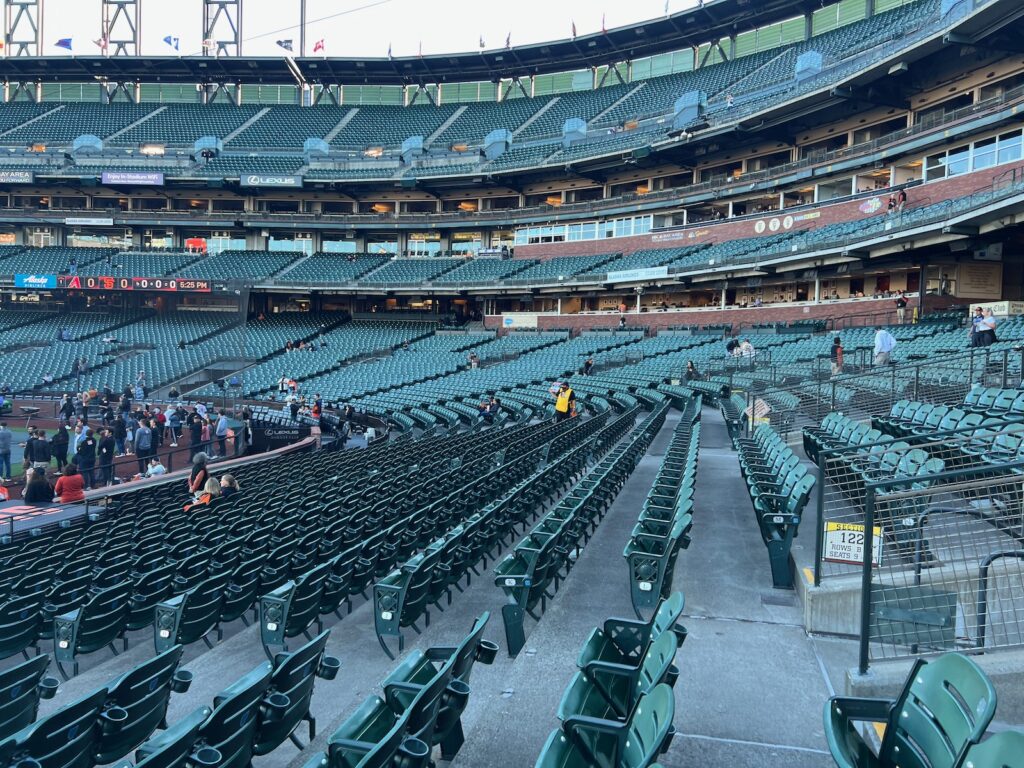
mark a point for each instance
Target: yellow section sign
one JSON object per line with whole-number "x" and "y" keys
{"x": 844, "y": 543}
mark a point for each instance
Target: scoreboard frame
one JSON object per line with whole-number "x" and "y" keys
{"x": 109, "y": 283}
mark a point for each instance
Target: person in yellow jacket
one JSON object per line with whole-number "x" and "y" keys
{"x": 565, "y": 402}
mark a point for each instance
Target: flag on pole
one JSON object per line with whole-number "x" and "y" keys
{"x": 208, "y": 44}
{"x": 421, "y": 49}
{"x": 604, "y": 28}
{"x": 389, "y": 50}
{"x": 318, "y": 46}
{"x": 574, "y": 29}
{"x": 666, "y": 7}
{"x": 101, "y": 43}
{"x": 175, "y": 42}
{"x": 508, "y": 40}
{"x": 286, "y": 44}
{"x": 482, "y": 43}
{"x": 64, "y": 42}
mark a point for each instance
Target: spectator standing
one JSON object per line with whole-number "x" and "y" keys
{"x": 59, "y": 446}
{"x": 195, "y": 433}
{"x": 588, "y": 366}
{"x": 5, "y": 452}
{"x": 565, "y": 402}
{"x": 944, "y": 284}
{"x": 120, "y": 433}
{"x": 41, "y": 451}
{"x": 143, "y": 444}
{"x": 70, "y": 485}
{"x": 975, "y": 330}
{"x": 86, "y": 454}
{"x": 174, "y": 424}
{"x": 901, "y": 200}
{"x": 105, "y": 451}
{"x": 67, "y": 408}
{"x": 199, "y": 475}
{"x": 885, "y": 342}
{"x": 222, "y": 434}
{"x": 988, "y": 329}
{"x": 691, "y": 371}
{"x": 836, "y": 356}
{"x": 901, "y": 307}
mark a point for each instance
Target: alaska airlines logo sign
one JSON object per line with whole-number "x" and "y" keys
{"x": 260, "y": 180}
{"x": 35, "y": 281}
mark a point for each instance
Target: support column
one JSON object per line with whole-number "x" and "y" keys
{"x": 122, "y": 20}
{"x": 23, "y": 27}
{"x": 723, "y": 298}
{"x": 222, "y": 27}
{"x": 560, "y": 305}
{"x": 817, "y": 289}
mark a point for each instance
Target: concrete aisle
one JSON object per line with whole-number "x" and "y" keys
{"x": 752, "y": 686}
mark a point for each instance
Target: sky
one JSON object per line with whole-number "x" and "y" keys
{"x": 355, "y": 27}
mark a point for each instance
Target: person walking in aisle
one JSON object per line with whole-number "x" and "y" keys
{"x": 885, "y": 343}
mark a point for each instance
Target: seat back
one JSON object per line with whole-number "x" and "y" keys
{"x": 173, "y": 747}
{"x": 19, "y": 694}
{"x": 231, "y": 728}
{"x": 144, "y": 693}
{"x": 68, "y": 737}
{"x": 945, "y": 705}
{"x": 648, "y": 728}
{"x": 1004, "y": 400}
{"x": 293, "y": 676}
{"x": 103, "y": 618}
{"x": 20, "y": 623}
{"x": 346, "y": 750}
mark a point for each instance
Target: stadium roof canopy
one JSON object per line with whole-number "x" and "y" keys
{"x": 710, "y": 21}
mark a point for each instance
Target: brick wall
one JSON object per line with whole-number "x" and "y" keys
{"x": 807, "y": 218}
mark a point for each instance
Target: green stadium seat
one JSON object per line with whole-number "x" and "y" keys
{"x": 635, "y": 743}
{"x": 293, "y": 677}
{"x": 292, "y": 608}
{"x": 143, "y": 694}
{"x": 21, "y": 688}
{"x": 97, "y": 623}
{"x": 945, "y": 706}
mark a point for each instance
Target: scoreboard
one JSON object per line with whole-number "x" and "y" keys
{"x": 104, "y": 283}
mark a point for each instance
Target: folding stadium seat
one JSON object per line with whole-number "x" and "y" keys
{"x": 635, "y": 743}
{"x": 651, "y": 555}
{"x": 610, "y": 691}
{"x": 21, "y": 621}
{"x": 401, "y": 598}
{"x": 945, "y": 706}
{"x": 21, "y": 688}
{"x": 70, "y": 737}
{"x": 142, "y": 694}
{"x": 293, "y": 677}
{"x": 97, "y": 623}
{"x": 292, "y": 608}
{"x": 179, "y": 746}
{"x": 1005, "y": 749}
{"x": 190, "y": 616}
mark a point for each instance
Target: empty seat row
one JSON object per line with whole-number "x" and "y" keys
{"x": 619, "y": 707}
{"x": 534, "y": 570}
{"x": 779, "y": 486}
{"x": 421, "y": 710}
{"x": 664, "y": 523}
